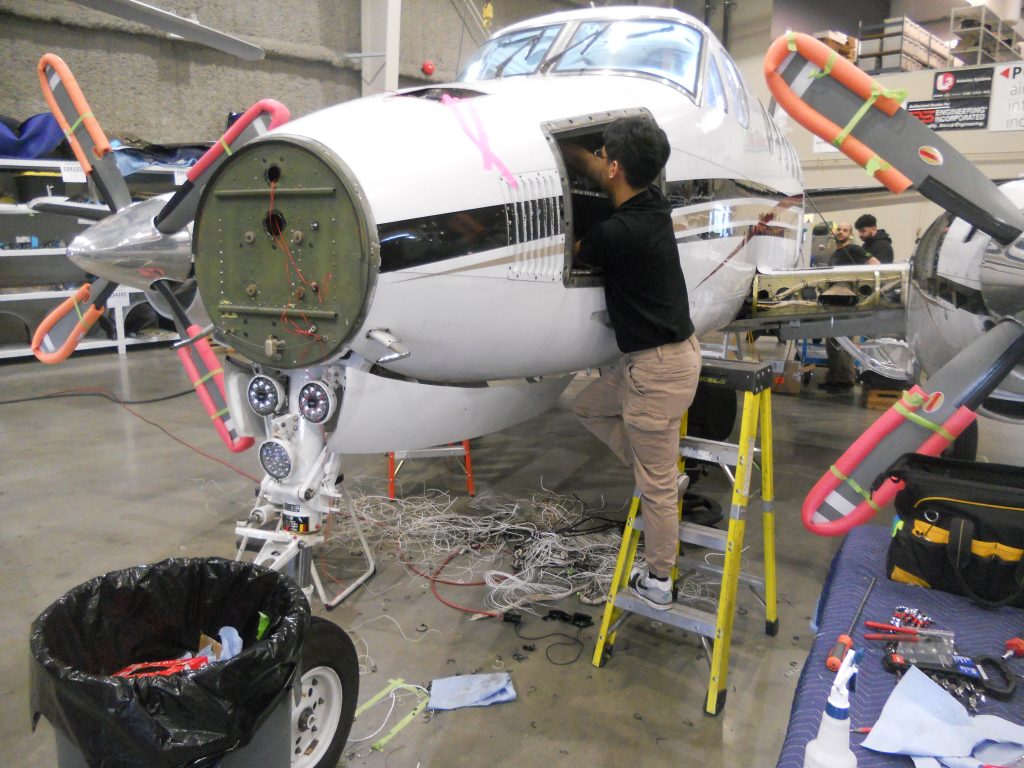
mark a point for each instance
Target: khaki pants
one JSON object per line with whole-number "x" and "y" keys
{"x": 635, "y": 409}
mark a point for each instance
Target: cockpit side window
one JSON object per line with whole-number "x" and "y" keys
{"x": 651, "y": 46}
{"x": 714, "y": 90}
{"x": 517, "y": 53}
{"x": 737, "y": 92}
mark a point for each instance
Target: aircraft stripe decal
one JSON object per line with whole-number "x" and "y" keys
{"x": 429, "y": 239}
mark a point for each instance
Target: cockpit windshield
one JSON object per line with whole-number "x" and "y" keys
{"x": 654, "y": 46}
{"x": 517, "y": 53}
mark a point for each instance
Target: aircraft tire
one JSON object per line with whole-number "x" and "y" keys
{"x": 329, "y": 677}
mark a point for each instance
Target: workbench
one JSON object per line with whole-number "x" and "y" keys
{"x": 979, "y": 631}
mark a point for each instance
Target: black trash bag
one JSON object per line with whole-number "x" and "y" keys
{"x": 154, "y": 613}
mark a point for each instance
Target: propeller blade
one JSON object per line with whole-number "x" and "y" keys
{"x": 82, "y": 130}
{"x": 925, "y": 421}
{"x": 204, "y": 371}
{"x": 61, "y": 330}
{"x": 835, "y": 100}
{"x": 258, "y": 119}
{"x": 62, "y": 205}
{"x": 172, "y": 24}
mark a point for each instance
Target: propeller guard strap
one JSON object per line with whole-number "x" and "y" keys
{"x": 848, "y": 75}
{"x": 209, "y": 387}
{"x": 85, "y": 120}
{"x": 827, "y": 491}
{"x": 86, "y": 320}
{"x": 279, "y": 115}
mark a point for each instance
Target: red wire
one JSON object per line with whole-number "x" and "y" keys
{"x": 175, "y": 438}
{"x": 418, "y": 572}
{"x": 456, "y": 606}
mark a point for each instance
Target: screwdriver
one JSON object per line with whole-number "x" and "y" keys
{"x": 844, "y": 643}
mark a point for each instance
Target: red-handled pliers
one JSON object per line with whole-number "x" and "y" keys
{"x": 894, "y": 633}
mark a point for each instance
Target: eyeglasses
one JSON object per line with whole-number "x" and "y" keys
{"x": 600, "y": 153}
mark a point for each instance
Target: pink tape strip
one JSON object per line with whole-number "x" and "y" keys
{"x": 491, "y": 160}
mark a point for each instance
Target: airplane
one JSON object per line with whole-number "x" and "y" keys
{"x": 397, "y": 271}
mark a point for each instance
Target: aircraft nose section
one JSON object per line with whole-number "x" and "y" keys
{"x": 1002, "y": 278}
{"x": 126, "y": 248}
{"x": 286, "y": 252}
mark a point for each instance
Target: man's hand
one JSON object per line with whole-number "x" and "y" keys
{"x": 581, "y": 160}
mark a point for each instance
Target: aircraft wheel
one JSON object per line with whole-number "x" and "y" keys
{"x": 329, "y": 677}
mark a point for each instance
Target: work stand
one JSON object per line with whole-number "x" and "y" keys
{"x": 754, "y": 381}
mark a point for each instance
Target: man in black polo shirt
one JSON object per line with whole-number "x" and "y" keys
{"x": 636, "y": 407}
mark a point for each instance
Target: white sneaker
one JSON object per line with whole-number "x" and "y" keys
{"x": 682, "y": 483}
{"x": 657, "y": 593}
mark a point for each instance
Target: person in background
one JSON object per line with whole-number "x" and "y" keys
{"x": 635, "y": 407}
{"x": 876, "y": 241}
{"x": 841, "y": 374}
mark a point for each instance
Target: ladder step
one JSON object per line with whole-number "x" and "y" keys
{"x": 712, "y": 451}
{"x": 746, "y": 578}
{"x": 698, "y": 535}
{"x": 679, "y": 615}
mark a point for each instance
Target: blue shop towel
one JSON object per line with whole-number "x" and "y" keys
{"x": 471, "y": 691}
{"x": 922, "y": 720}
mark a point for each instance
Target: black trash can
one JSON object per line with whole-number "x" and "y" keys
{"x": 235, "y": 712}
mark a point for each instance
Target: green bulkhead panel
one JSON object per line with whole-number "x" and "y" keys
{"x": 284, "y": 254}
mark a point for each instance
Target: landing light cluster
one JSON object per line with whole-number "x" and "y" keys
{"x": 266, "y": 395}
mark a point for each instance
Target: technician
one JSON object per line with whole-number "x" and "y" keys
{"x": 876, "y": 241}
{"x": 636, "y": 406}
{"x": 841, "y": 374}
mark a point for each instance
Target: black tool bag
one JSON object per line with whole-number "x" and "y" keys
{"x": 960, "y": 528}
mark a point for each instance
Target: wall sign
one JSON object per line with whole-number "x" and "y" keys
{"x": 952, "y": 115}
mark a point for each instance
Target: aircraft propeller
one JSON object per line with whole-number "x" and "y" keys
{"x": 844, "y": 106}
{"x": 146, "y": 244}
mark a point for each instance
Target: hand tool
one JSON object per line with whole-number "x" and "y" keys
{"x": 844, "y": 643}
{"x": 1014, "y": 647}
{"x": 893, "y": 633}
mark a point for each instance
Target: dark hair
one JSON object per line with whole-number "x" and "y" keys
{"x": 640, "y": 146}
{"x": 865, "y": 220}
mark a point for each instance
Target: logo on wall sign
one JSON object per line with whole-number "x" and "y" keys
{"x": 944, "y": 82}
{"x": 930, "y": 155}
{"x": 1011, "y": 73}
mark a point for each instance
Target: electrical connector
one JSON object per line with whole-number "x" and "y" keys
{"x": 512, "y": 617}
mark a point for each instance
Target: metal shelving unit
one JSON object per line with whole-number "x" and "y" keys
{"x": 984, "y": 37}
{"x": 899, "y": 45}
{"x": 35, "y": 274}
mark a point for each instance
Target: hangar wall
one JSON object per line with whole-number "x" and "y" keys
{"x": 141, "y": 83}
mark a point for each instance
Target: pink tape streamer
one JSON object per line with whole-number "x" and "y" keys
{"x": 480, "y": 139}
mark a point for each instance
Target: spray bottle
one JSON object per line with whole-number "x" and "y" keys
{"x": 831, "y": 747}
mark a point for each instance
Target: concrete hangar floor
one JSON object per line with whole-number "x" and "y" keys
{"x": 89, "y": 487}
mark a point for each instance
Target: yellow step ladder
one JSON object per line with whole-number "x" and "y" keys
{"x": 754, "y": 381}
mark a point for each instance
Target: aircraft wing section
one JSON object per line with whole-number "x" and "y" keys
{"x": 828, "y": 301}
{"x": 843, "y": 105}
